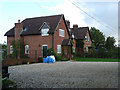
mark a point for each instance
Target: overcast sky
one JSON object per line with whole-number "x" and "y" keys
{"x": 100, "y": 14}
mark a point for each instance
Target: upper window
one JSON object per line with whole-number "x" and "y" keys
{"x": 58, "y": 48}
{"x": 26, "y": 49}
{"x": 11, "y": 49}
{"x": 45, "y": 32}
{"x": 61, "y": 32}
{"x": 86, "y": 38}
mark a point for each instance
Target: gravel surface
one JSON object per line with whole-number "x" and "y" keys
{"x": 66, "y": 75}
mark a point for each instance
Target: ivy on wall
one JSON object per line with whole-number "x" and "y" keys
{"x": 18, "y": 49}
{"x": 80, "y": 46}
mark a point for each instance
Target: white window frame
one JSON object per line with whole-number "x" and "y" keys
{"x": 26, "y": 46}
{"x": 11, "y": 49}
{"x": 44, "y": 32}
{"x": 61, "y": 33}
{"x": 73, "y": 49}
{"x": 58, "y": 49}
{"x": 86, "y": 49}
{"x": 88, "y": 38}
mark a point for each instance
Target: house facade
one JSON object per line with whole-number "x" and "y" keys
{"x": 39, "y": 34}
{"x": 80, "y": 34}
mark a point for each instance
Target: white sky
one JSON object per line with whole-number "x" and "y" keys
{"x": 105, "y": 12}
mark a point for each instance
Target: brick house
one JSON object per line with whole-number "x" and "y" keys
{"x": 39, "y": 34}
{"x": 80, "y": 33}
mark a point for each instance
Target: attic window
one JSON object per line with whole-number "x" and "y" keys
{"x": 86, "y": 37}
{"x": 72, "y": 36}
{"x": 45, "y": 32}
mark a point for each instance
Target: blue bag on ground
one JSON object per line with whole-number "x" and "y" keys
{"x": 44, "y": 60}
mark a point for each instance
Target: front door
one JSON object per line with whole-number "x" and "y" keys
{"x": 44, "y": 48}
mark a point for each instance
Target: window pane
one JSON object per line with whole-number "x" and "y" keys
{"x": 58, "y": 48}
{"x": 27, "y": 49}
{"x": 11, "y": 49}
{"x": 45, "y": 32}
{"x": 61, "y": 32}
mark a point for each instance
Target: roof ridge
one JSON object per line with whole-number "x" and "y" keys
{"x": 43, "y": 16}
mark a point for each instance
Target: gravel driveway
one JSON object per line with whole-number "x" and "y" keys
{"x": 66, "y": 75}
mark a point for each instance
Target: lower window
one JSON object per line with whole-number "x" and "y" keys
{"x": 58, "y": 48}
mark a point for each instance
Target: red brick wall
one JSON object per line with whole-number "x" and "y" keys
{"x": 34, "y": 41}
{"x": 87, "y": 43}
{"x": 57, "y": 39}
{"x": 9, "y": 41}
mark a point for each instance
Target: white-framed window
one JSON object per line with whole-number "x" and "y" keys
{"x": 88, "y": 38}
{"x": 86, "y": 49}
{"x": 73, "y": 49}
{"x": 58, "y": 48}
{"x": 44, "y": 32}
{"x": 26, "y": 49}
{"x": 61, "y": 33}
{"x": 11, "y": 49}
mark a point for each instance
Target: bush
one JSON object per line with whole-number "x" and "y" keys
{"x": 51, "y": 51}
{"x": 40, "y": 59}
{"x": 32, "y": 62}
{"x": 17, "y": 63}
{"x": 7, "y": 83}
{"x": 24, "y": 61}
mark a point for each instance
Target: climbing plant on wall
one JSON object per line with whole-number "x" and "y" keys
{"x": 80, "y": 46}
{"x": 18, "y": 49}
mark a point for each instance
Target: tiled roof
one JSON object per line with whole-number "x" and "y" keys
{"x": 79, "y": 33}
{"x": 66, "y": 42}
{"x": 33, "y": 25}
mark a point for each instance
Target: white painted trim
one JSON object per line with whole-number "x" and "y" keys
{"x": 61, "y": 30}
{"x": 57, "y": 49}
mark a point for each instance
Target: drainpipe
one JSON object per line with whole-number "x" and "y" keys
{"x": 53, "y": 41}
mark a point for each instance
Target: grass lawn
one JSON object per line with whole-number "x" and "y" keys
{"x": 97, "y": 59}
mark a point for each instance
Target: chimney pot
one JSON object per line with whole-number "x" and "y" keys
{"x": 75, "y": 26}
{"x": 18, "y": 21}
{"x": 68, "y": 23}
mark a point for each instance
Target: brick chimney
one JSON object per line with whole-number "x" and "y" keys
{"x": 75, "y": 26}
{"x": 68, "y": 23}
{"x": 18, "y": 28}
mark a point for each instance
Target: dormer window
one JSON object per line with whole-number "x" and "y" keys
{"x": 72, "y": 36}
{"x": 85, "y": 37}
{"x": 44, "y": 29}
{"x": 45, "y": 32}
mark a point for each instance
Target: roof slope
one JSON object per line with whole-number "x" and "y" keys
{"x": 80, "y": 33}
{"x": 33, "y": 25}
{"x": 67, "y": 42}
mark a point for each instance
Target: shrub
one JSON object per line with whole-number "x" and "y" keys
{"x": 40, "y": 59}
{"x": 24, "y": 61}
{"x": 32, "y": 62}
{"x": 17, "y": 63}
{"x": 7, "y": 83}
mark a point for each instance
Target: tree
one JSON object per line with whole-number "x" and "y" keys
{"x": 98, "y": 37}
{"x": 110, "y": 43}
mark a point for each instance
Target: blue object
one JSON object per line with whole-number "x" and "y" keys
{"x": 44, "y": 60}
{"x": 48, "y": 60}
